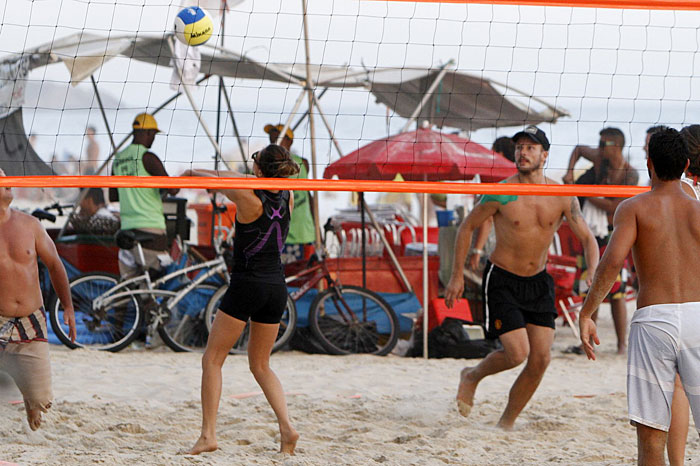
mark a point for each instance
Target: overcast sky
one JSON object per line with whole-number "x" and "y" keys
{"x": 605, "y": 67}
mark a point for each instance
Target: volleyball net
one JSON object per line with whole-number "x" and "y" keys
{"x": 416, "y": 91}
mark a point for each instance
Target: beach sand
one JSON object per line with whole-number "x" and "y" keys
{"x": 139, "y": 407}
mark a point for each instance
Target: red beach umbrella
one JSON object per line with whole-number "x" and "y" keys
{"x": 422, "y": 155}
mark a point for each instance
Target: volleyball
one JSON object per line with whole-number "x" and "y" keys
{"x": 193, "y": 26}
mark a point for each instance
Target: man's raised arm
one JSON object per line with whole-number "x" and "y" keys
{"x": 623, "y": 237}
{"x": 588, "y": 153}
{"x": 476, "y": 217}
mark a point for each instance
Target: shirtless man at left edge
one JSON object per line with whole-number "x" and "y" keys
{"x": 24, "y": 349}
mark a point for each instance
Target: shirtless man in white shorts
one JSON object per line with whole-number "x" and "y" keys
{"x": 24, "y": 349}
{"x": 662, "y": 227}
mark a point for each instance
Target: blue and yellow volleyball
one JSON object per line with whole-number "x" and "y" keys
{"x": 193, "y": 26}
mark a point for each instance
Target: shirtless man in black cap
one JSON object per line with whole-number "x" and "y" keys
{"x": 518, "y": 292}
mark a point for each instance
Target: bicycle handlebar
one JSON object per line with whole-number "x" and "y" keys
{"x": 41, "y": 214}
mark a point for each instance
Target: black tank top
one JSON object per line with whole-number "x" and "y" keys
{"x": 257, "y": 245}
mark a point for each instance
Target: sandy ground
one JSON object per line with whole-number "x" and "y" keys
{"x": 140, "y": 407}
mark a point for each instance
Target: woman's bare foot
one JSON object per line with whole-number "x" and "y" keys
{"x": 203, "y": 445}
{"x": 465, "y": 391}
{"x": 288, "y": 440}
{"x": 33, "y": 417}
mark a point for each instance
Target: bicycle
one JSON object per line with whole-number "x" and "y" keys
{"x": 346, "y": 319}
{"x": 110, "y": 312}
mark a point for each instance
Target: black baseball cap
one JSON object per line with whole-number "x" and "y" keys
{"x": 534, "y": 133}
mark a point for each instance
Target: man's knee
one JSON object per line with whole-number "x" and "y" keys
{"x": 517, "y": 355}
{"x": 538, "y": 362}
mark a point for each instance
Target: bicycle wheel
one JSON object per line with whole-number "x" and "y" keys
{"x": 186, "y": 329}
{"x": 352, "y": 320}
{"x": 288, "y": 323}
{"x": 110, "y": 327}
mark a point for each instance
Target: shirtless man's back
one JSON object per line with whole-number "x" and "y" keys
{"x": 24, "y": 352}
{"x": 662, "y": 228}
{"x": 518, "y": 292}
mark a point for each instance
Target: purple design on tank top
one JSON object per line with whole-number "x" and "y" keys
{"x": 256, "y": 247}
{"x": 276, "y": 213}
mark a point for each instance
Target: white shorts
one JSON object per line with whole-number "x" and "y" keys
{"x": 664, "y": 340}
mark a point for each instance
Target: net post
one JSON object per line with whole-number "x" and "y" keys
{"x": 425, "y": 275}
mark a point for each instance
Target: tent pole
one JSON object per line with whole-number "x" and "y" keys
{"x": 187, "y": 92}
{"x": 218, "y": 122}
{"x": 102, "y": 111}
{"x": 306, "y": 113}
{"x": 297, "y": 104}
{"x": 427, "y": 95}
{"x": 217, "y": 155}
{"x": 328, "y": 126}
{"x": 425, "y": 276}
{"x": 309, "y": 86}
{"x": 390, "y": 251}
{"x": 235, "y": 130}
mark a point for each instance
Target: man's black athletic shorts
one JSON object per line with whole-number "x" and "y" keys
{"x": 511, "y": 301}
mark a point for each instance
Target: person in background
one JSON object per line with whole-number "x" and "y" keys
{"x": 90, "y": 164}
{"x": 505, "y": 147}
{"x": 302, "y": 230}
{"x": 691, "y": 177}
{"x": 609, "y": 168}
{"x": 94, "y": 217}
{"x": 142, "y": 208}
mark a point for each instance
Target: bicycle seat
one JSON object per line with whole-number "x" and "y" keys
{"x": 127, "y": 239}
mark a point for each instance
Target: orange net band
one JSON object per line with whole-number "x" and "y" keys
{"x": 319, "y": 185}
{"x": 618, "y": 4}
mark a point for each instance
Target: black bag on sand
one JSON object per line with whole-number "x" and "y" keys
{"x": 450, "y": 340}
{"x": 304, "y": 340}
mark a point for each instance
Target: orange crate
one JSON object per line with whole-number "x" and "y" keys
{"x": 204, "y": 219}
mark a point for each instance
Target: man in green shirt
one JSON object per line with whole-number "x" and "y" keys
{"x": 141, "y": 209}
{"x": 302, "y": 232}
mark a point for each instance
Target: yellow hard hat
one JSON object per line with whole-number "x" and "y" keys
{"x": 145, "y": 121}
{"x": 270, "y": 128}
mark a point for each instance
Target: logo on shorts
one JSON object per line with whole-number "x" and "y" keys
{"x": 498, "y": 324}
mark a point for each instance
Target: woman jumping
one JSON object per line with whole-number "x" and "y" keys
{"x": 257, "y": 292}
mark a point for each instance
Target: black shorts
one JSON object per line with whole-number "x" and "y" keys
{"x": 512, "y": 301}
{"x": 260, "y": 302}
